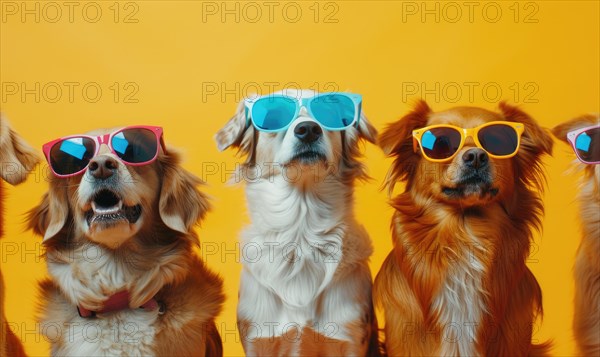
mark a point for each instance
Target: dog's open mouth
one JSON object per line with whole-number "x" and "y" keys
{"x": 309, "y": 157}
{"x": 108, "y": 207}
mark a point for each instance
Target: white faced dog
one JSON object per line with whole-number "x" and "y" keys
{"x": 310, "y": 292}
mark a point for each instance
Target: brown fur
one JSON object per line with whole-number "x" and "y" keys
{"x": 16, "y": 160}
{"x": 430, "y": 233}
{"x": 586, "y": 321}
{"x": 308, "y": 342}
{"x": 192, "y": 294}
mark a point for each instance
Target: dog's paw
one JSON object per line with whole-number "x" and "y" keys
{"x": 149, "y": 284}
{"x": 91, "y": 301}
{"x": 142, "y": 293}
{"x": 85, "y": 296}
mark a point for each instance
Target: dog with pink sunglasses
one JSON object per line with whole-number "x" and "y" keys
{"x": 118, "y": 224}
{"x": 583, "y": 134}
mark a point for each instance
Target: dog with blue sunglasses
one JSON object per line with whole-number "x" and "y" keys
{"x": 309, "y": 292}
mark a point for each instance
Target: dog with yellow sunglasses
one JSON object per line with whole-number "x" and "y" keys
{"x": 456, "y": 282}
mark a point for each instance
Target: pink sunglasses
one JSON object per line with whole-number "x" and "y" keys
{"x": 133, "y": 145}
{"x": 586, "y": 144}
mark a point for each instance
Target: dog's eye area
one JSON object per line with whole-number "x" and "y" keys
{"x": 106, "y": 198}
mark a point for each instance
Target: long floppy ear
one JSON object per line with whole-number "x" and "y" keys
{"x": 561, "y": 130}
{"x": 351, "y": 150}
{"x": 535, "y": 142}
{"x": 397, "y": 141}
{"x": 181, "y": 205}
{"x": 17, "y": 158}
{"x": 366, "y": 130}
{"x": 233, "y": 132}
{"x": 50, "y": 216}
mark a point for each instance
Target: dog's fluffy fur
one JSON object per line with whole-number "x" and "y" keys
{"x": 17, "y": 159}
{"x": 309, "y": 290}
{"x": 456, "y": 282}
{"x": 152, "y": 256}
{"x": 586, "y": 322}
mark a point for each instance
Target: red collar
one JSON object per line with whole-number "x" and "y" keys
{"x": 117, "y": 302}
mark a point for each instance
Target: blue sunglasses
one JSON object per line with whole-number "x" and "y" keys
{"x": 276, "y": 112}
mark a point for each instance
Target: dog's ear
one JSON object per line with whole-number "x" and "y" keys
{"x": 561, "y": 130}
{"x": 233, "y": 132}
{"x": 397, "y": 141}
{"x": 366, "y": 130}
{"x": 17, "y": 158}
{"x": 181, "y": 205}
{"x": 351, "y": 151}
{"x": 50, "y": 216}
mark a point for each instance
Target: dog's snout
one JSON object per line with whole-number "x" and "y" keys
{"x": 308, "y": 132}
{"x": 475, "y": 158}
{"x": 103, "y": 167}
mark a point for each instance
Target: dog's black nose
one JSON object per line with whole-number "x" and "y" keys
{"x": 103, "y": 167}
{"x": 475, "y": 158}
{"x": 308, "y": 132}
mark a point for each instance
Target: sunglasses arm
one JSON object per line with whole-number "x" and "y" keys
{"x": 162, "y": 143}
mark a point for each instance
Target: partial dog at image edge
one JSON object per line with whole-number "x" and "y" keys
{"x": 456, "y": 282}
{"x": 314, "y": 299}
{"x": 586, "y": 320}
{"x": 17, "y": 159}
{"x": 118, "y": 228}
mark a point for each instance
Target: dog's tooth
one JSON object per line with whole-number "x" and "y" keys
{"x": 114, "y": 209}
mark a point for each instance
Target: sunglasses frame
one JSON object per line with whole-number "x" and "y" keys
{"x": 304, "y": 102}
{"x": 465, "y": 133}
{"x": 572, "y": 138}
{"x": 107, "y": 140}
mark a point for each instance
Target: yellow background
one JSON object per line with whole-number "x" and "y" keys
{"x": 177, "y": 52}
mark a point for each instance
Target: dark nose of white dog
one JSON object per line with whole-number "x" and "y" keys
{"x": 308, "y": 132}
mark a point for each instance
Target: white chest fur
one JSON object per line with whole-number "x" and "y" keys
{"x": 297, "y": 242}
{"x": 87, "y": 274}
{"x": 125, "y": 333}
{"x": 461, "y": 303}
{"x": 299, "y": 236}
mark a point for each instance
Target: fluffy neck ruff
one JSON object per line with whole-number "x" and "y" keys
{"x": 589, "y": 204}
{"x": 89, "y": 273}
{"x": 463, "y": 264}
{"x": 300, "y": 232}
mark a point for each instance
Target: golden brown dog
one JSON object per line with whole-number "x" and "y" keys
{"x": 127, "y": 282}
{"x": 17, "y": 159}
{"x": 456, "y": 282}
{"x": 586, "y": 322}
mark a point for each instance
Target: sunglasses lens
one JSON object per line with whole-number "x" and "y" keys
{"x": 499, "y": 139}
{"x": 273, "y": 113}
{"x": 71, "y": 155}
{"x": 587, "y": 145}
{"x": 335, "y": 111}
{"x": 440, "y": 143}
{"x": 135, "y": 146}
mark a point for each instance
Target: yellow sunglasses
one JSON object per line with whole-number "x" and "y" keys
{"x": 441, "y": 142}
